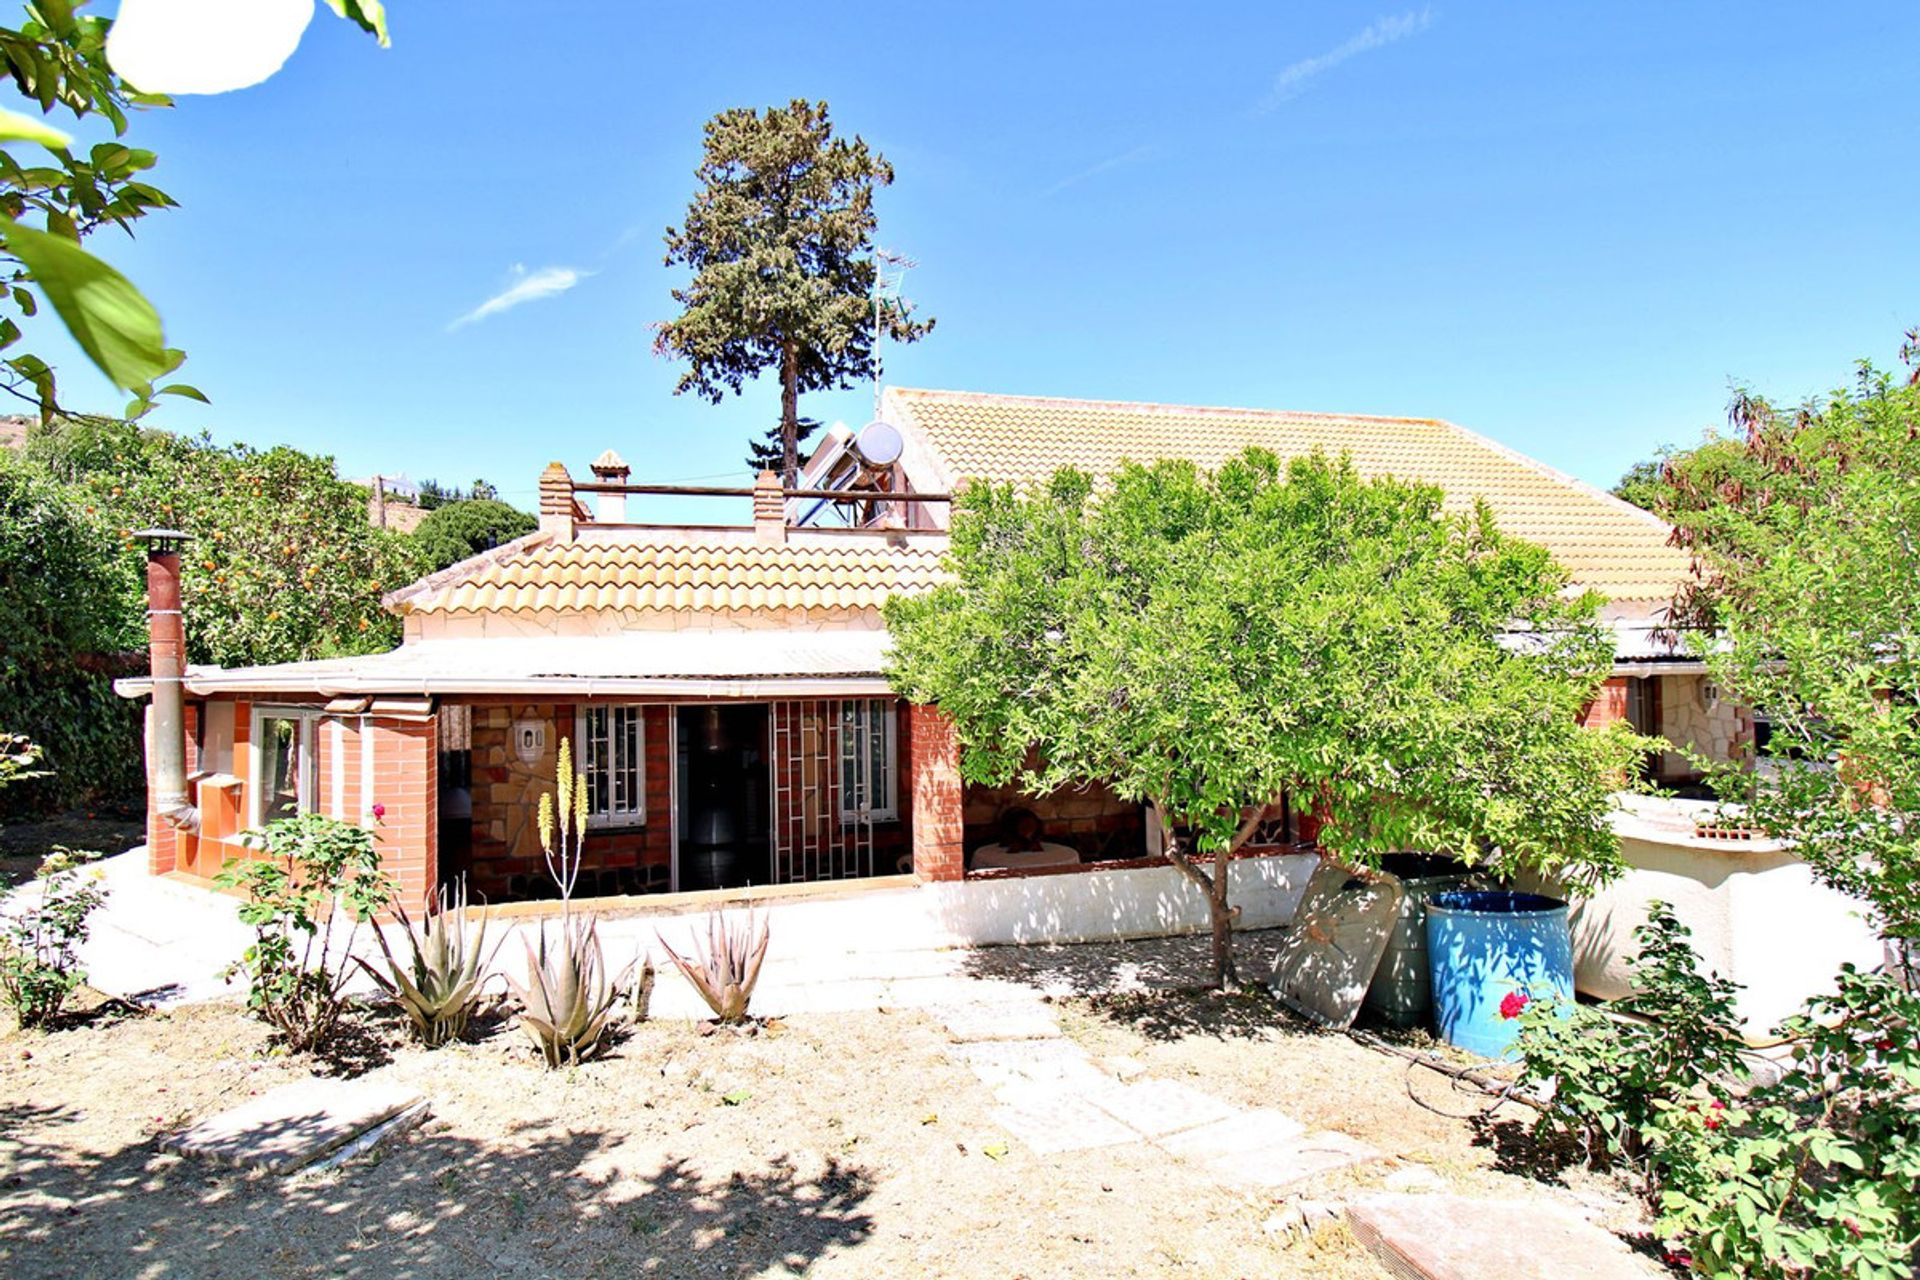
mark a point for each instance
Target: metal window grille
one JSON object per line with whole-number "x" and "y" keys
{"x": 833, "y": 778}
{"x": 611, "y": 751}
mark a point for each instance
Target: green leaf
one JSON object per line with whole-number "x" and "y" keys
{"x": 116, "y": 326}
{"x": 182, "y": 389}
{"x": 368, "y": 15}
{"x": 735, "y": 1098}
{"x": 15, "y": 127}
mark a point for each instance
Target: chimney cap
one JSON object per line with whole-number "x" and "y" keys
{"x": 610, "y": 463}
{"x": 162, "y": 539}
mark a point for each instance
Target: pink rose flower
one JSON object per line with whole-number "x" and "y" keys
{"x": 379, "y": 812}
{"x": 1514, "y": 1004}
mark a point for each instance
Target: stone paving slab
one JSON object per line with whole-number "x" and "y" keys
{"x": 1289, "y": 1162}
{"x": 968, "y": 1023}
{"x": 292, "y": 1126}
{"x": 1050, "y": 1118}
{"x": 1437, "y": 1237}
{"x": 1000, "y": 1062}
{"x": 1229, "y": 1139}
{"x": 1160, "y": 1108}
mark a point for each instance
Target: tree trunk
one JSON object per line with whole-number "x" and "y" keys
{"x": 790, "y": 415}
{"x": 1221, "y": 914}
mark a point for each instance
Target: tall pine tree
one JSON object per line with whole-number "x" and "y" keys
{"x": 780, "y": 240}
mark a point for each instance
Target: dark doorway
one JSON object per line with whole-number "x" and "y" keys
{"x": 722, "y": 796}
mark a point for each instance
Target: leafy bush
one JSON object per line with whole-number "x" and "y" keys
{"x": 1674, "y": 1043}
{"x": 297, "y": 969}
{"x": 728, "y": 968}
{"x": 1816, "y": 1175}
{"x": 461, "y": 529}
{"x": 54, "y": 684}
{"x": 40, "y": 937}
{"x": 568, "y": 997}
{"x": 439, "y": 986}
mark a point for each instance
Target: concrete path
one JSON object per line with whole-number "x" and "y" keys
{"x": 1053, "y": 1097}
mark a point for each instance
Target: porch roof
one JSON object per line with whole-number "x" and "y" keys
{"x": 694, "y": 663}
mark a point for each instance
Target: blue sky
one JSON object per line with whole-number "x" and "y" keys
{"x": 1568, "y": 227}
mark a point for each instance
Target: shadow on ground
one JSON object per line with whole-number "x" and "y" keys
{"x": 437, "y": 1205}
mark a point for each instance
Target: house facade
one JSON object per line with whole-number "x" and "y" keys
{"x": 724, "y": 687}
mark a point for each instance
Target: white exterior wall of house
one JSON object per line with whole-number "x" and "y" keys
{"x": 1757, "y": 914}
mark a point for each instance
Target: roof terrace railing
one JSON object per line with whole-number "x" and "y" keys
{"x": 722, "y": 491}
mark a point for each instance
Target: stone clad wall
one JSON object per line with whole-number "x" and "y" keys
{"x": 1722, "y": 732}
{"x": 507, "y": 860}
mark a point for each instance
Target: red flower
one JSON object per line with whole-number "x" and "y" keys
{"x": 1678, "y": 1258}
{"x": 1513, "y": 1003}
{"x": 1713, "y": 1122}
{"x": 379, "y": 811}
{"x": 1884, "y": 1046}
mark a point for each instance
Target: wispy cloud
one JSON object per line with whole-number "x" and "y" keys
{"x": 1144, "y": 151}
{"x": 527, "y": 286}
{"x": 1378, "y": 34}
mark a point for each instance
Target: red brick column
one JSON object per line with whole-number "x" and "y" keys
{"x": 933, "y": 775}
{"x": 1609, "y": 705}
{"x": 406, "y": 786}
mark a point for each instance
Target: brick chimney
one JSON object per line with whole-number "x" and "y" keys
{"x": 769, "y": 511}
{"x": 611, "y": 468}
{"x": 167, "y": 661}
{"x": 556, "y": 502}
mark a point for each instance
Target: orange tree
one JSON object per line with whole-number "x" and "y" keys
{"x": 283, "y": 565}
{"x": 1205, "y": 642}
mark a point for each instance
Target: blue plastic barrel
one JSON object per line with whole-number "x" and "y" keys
{"x": 1484, "y": 945}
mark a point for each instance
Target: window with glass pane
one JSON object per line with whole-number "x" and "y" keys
{"x": 611, "y": 746}
{"x": 283, "y": 774}
{"x": 867, "y": 784}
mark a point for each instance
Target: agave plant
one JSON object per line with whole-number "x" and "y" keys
{"x": 440, "y": 985}
{"x": 567, "y": 1000}
{"x": 728, "y": 968}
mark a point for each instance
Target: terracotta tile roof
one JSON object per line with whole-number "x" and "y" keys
{"x": 1605, "y": 543}
{"x": 718, "y": 572}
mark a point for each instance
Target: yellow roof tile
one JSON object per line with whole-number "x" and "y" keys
{"x": 1604, "y": 543}
{"x": 681, "y": 570}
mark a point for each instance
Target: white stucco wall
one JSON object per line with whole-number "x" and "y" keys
{"x": 1756, "y": 912}
{"x": 1138, "y": 902}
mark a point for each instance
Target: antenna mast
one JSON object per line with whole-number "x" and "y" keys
{"x": 889, "y": 275}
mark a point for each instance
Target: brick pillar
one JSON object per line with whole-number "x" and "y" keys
{"x": 933, "y": 773}
{"x": 1609, "y": 705}
{"x": 406, "y": 785}
{"x": 769, "y": 511}
{"x": 556, "y": 501}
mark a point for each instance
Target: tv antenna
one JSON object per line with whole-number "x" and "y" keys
{"x": 889, "y": 277}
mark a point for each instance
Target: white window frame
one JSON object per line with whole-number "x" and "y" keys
{"x": 621, "y": 812}
{"x": 306, "y": 783}
{"x": 885, "y": 713}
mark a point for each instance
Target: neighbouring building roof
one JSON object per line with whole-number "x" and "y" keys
{"x": 695, "y": 662}
{"x": 1609, "y": 545}
{"x": 720, "y": 573}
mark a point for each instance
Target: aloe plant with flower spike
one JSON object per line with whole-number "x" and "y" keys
{"x": 567, "y": 1000}
{"x": 440, "y": 985}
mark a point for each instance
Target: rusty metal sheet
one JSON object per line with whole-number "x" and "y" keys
{"x": 1334, "y": 944}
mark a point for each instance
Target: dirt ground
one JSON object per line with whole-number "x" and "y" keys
{"x": 24, "y": 845}
{"x": 829, "y": 1145}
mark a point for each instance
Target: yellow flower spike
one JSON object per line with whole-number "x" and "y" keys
{"x": 546, "y": 822}
{"x": 580, "y": 803}
{"x": 566, "y": 785}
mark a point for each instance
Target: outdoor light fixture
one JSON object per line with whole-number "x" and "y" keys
{"x": 204, "y": 46}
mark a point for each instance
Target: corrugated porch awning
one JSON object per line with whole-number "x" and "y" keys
{"x": 771, "y": 663}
